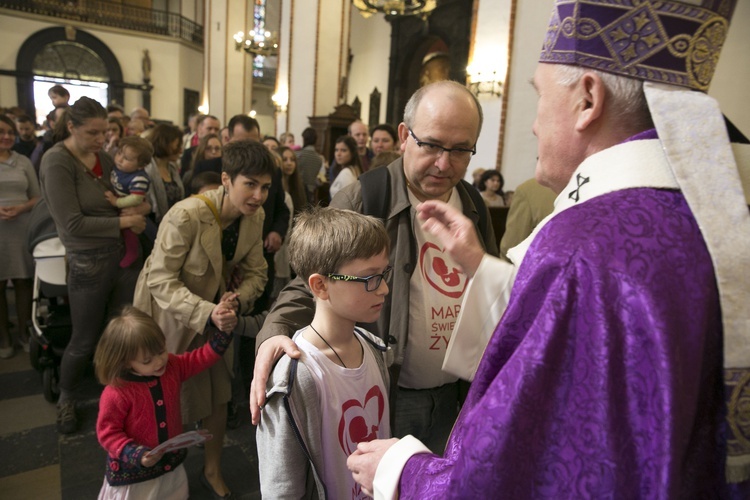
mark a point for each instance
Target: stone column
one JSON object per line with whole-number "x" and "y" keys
{"x": 227, "y": 88}
{"x": 313, "y": 60}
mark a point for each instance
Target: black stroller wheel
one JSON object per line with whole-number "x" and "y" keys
{"x": 50, "y": 379}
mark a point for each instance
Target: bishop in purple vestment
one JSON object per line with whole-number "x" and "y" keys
{"x": 604, "y": 377}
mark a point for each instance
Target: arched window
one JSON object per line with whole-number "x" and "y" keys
{"x": 70, "y": 60}
{"x": 56, "y": 54}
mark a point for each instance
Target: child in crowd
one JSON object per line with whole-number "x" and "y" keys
{"x": 336, "y": 395}
{"x": 205, "y": 181}
{"x": 383, "y": 159}
{"x": 59, "y": 96}
{"x": 140, "y": 405}
{"x": 131, "y": 184}
{"x": 287, "y": 139}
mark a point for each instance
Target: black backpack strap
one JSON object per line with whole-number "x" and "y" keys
{"x": 375, "y": 186}
{"x": 376, "y": 193}
{"x": 478, "y": 201}
{"x": 735, "y": 134}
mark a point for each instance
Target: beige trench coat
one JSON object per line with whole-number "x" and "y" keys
{"x": 185, "y": 273}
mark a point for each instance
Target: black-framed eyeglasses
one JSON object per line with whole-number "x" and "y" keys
{"x": 372, "y": 282}
{"x": 458, "y": 154}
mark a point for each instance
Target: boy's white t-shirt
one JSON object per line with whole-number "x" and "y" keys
{"x": 353, "y": 407}
{"x": 436, "y": 290}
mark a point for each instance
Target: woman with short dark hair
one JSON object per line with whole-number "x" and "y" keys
{"x": 185, "y": 284}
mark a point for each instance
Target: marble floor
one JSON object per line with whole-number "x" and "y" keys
{"x": 37, "y": 463}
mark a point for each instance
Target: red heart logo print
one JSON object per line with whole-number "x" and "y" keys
{"x": 449, "y": 281}
{"x": 360, "y": 422}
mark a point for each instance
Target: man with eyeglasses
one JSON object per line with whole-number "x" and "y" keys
{"x": 438, "y": 137}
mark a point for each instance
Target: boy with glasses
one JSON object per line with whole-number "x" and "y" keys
{"x": 336, "y": 395}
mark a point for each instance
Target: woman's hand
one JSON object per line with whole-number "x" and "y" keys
{"x": 223, "y": 317}
{"x": 10, "y": 212}
{"x": 273, "y": 242}
{"x": 136, "y": 223}
{"x": 13, "y": 211}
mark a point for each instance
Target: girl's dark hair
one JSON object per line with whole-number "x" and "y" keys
{"x": 295, "y": 187}
{"x": 84, "y": 109}
{"x": 162, "y": 136}
{"x": 489, "y": 174}
{"x": 351, "y": 144}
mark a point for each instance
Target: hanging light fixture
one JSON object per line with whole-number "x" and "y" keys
{"x": 257, "y": 43}
{"x": 394, "y": 8}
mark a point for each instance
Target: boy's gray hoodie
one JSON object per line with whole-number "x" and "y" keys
{"x": 288, "y": 437}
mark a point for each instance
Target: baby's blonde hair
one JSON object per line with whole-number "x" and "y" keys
{"x": 126, "y": 335}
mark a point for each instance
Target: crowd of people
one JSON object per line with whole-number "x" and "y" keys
{"x": 597, "y": 350}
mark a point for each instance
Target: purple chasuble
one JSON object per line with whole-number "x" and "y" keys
{"x": 603, "y": 378}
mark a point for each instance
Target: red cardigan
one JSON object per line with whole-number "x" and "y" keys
{"x": 145, "y": 411}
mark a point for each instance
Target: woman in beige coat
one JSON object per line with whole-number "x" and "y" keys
{"x": 204, "y": 244}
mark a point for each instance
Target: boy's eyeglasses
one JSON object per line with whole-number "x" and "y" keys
{"x": 435, "y": 150}
{"x": 372, "y": 283}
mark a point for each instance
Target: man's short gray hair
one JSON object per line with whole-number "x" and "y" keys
{"x": 410, "y": 111}
{"x": 625, "y": 95}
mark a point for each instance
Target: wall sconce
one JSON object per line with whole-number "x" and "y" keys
{"x": 484, "y": 82}
{"x": 280, "y": 102}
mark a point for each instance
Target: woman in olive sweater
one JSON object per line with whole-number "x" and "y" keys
{"x": 74, "y": 176}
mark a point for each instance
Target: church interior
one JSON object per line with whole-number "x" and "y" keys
{"x": 290, "y": 65}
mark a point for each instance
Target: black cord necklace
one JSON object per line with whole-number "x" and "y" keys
{"x": 329, "y": 346}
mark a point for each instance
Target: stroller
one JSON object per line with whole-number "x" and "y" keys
{"x": 51, "y": 327}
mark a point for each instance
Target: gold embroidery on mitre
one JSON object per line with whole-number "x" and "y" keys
{"x": 635, "y": 36}
{"x": 633, "y": 41}
{"x": 703, "y": 54}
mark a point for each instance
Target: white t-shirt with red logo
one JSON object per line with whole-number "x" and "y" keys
{"x": 353, "y": 407}
{"x": 435, "y": 292}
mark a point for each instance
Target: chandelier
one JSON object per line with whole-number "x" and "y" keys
{"x": 393, "y": 8}
{"x": 257, "y": 43}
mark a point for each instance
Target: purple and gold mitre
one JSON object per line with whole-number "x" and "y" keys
{"x": 669, "y": 42}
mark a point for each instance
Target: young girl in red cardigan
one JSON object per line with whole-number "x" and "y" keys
{"x": 140, "y": 405}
